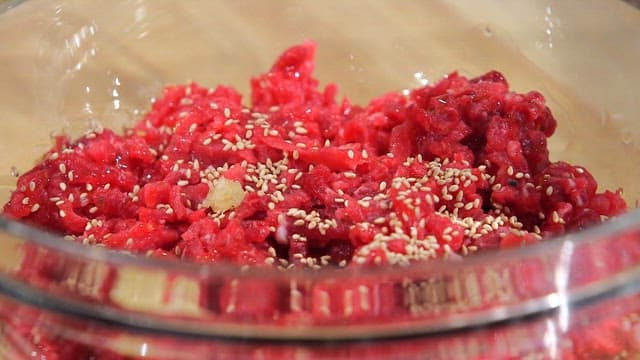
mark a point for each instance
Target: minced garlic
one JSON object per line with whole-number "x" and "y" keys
{"x": 224, "y": 194}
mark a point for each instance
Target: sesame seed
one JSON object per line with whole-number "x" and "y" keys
{"x": 35, "y": 208}
{"x": 351, "y": 154}
{"x": 555, "y": 217}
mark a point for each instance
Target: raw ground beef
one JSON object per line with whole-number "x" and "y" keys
{"x": 301, "y": 179}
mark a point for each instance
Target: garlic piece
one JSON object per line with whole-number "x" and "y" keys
{"x": 224, "y": 194}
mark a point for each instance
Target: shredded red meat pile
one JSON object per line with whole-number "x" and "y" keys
{"x": 452, "y": 168}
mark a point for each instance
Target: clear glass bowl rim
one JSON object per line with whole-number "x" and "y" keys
{"x": 621, "y": 283}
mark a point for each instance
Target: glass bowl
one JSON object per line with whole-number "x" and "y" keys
{"x": 68, "y": 65}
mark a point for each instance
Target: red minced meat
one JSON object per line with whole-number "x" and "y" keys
{"x": 452, "y": 168}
